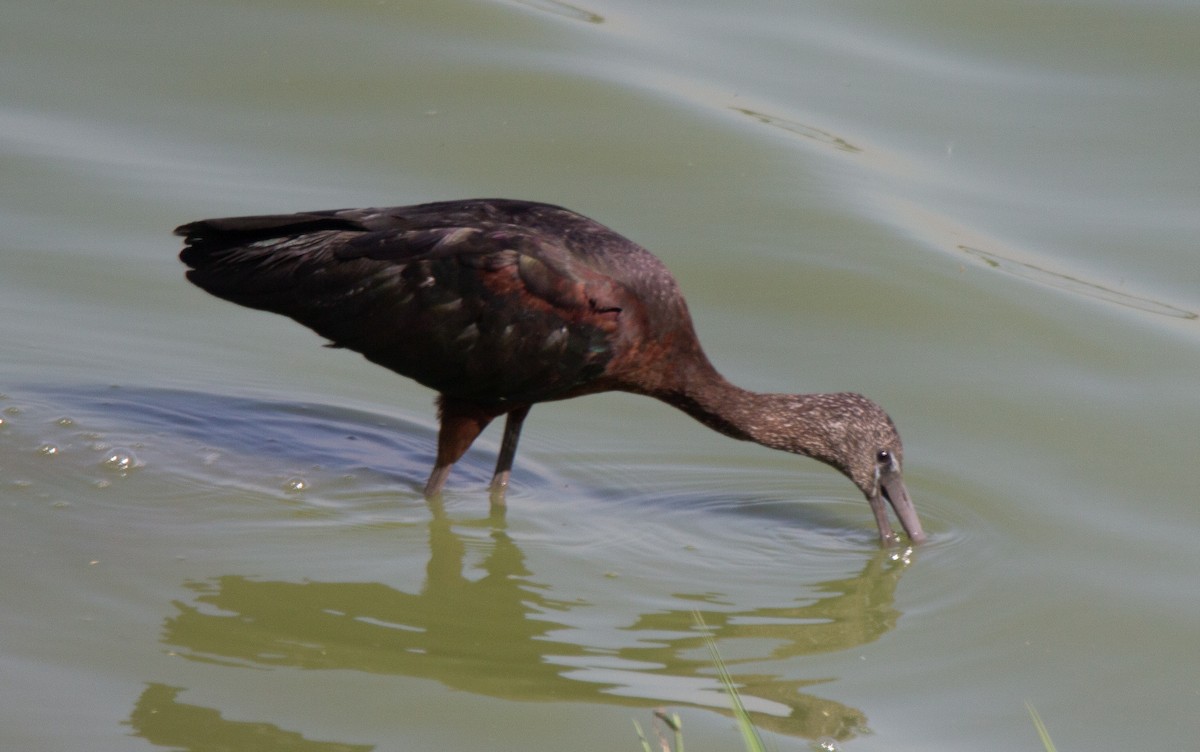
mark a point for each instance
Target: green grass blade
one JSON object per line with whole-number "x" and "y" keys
{"x": 672, "y": 721}
{"x": 642, "y": 737}
{"x": 675, "y": 723}
{"x": 1041, "y": 728}
{"x": 750, "y": 735}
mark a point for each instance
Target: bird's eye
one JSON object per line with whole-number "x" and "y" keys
{"x": 884, "y": 457}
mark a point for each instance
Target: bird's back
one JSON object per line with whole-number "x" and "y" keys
{"x": 485, "y": 300}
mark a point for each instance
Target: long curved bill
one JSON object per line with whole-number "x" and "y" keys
{"x": 891, "y": 489}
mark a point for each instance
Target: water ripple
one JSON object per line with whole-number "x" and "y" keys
{"x": 566, "y": 10}
{"x": 947, "y": 234}
{"x": 800, "y": 129}
{"x": 1074, "y": 284}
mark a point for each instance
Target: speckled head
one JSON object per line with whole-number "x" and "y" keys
{"x": 860, "y": 439}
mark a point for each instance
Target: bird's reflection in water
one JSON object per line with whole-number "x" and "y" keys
{"x": 161, "y": 719}
{"x": 501, "y": 634}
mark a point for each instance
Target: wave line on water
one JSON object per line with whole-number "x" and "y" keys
{"x": 1074, "y": 284}
{"x": 948, "y": 235}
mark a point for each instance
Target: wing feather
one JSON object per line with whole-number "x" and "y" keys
{"x": 478, "y": 309}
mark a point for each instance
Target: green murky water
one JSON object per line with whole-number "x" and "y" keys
{"x": 983, "y": 216}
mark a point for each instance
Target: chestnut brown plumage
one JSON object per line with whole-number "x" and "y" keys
{"x": 499, "y": 304}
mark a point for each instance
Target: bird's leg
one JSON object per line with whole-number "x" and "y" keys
{"x": 437, "y": 479}
{"x": 461, "y": 423}
{"x": 508, "y": 450}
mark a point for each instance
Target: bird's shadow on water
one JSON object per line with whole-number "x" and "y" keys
{"x": 264, "y": 444}
{"x": 249, "y": 439}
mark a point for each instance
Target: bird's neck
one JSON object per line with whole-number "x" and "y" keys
{"x": 772, "y": 420}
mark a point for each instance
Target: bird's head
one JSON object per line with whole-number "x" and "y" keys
{"x": 856, "y": 436}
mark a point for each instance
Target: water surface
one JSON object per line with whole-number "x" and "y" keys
{"x": 981, "y": 216}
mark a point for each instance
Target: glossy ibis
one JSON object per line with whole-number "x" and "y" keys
{"x": 499, "y": 304}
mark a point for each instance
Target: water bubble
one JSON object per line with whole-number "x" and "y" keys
{"x": 47, "y": 450}
{"x": 295, "y": 485}
{"x": 119, "y": 460}
{"x": 827, "y": 744}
